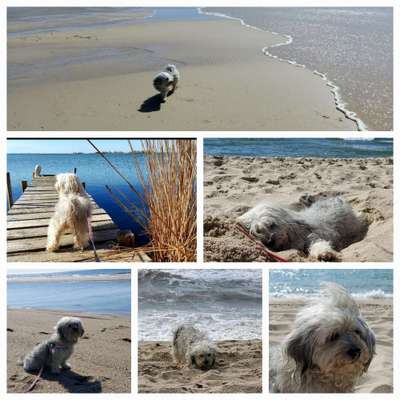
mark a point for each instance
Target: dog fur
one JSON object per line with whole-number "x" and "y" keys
{"x": 193, "y": 348}
{"x": 329, "y": 348}
{"x": 166, "y": 81}
{"x": 37, "y": 171}
{"x": 321, "y": 229}
{"x": 72, "y": 212}
{"x": 52, "y": 354}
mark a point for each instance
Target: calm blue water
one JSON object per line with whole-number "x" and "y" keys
{"x": 92, "y": 170}
{"x": 325, "y": 148}
{"x": 97, "y": 297}
{"x": 361, "y": 283}
{"x": 225, "y": 303}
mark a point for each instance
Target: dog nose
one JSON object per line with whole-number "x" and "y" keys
{"x": 354, "y": 352}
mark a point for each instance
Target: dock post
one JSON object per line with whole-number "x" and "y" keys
{"x": 9, "y": 191}
{"x": 75, "y": 171}
{"x": 24, "y": 185}
{"x": 84, "y": 185}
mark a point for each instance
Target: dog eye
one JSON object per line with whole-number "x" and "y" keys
{"x": 334, "y": 337}
{"x": 272, "y": 225}
{"x": 357, "y": 332}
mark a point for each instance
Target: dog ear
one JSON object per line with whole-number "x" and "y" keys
{"x": 369, "y": 339}
{"x": 299, "y": 347}
{"x": 82, "y": 331}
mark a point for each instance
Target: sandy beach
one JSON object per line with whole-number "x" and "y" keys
{"x": 238, "y": 370}
{"x": 379, "y": 315}
{"x": 101, "y": 79}
{"x": 232, "y": 184}
{"x": 101, "y": 361}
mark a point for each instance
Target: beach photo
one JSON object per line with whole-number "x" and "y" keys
{"x": 298, "y": 199}
{"x": 101, "y": 200}
{"x": 210, "y": 69}
{"x": 331, "y": 331}
{"x": 68, "y": 331}
{"x": 200, "y": 331}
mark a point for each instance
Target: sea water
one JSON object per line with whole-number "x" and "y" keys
{"x": 64, "y": 291}
{"x": 225, "y": 303}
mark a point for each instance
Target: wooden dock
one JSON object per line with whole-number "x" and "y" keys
{"x": 27, "y": 223}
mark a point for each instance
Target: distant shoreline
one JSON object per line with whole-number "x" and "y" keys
{"x": 80, "y": 278}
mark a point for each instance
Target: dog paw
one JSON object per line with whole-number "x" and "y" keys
{"x": 329, "y": 255}
{"x": 52, "y": 248}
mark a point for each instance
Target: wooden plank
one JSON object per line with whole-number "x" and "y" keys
{"x": 32, "y": 223}
{"x": 25, "y": 233}
{"x": 37, "y": 244}
{"x": 28, "y": 209}
{"x": 19, "y": 216}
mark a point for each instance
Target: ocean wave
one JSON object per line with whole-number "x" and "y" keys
{"x": 306, "y": 295}
{"x": 334, "y": 89}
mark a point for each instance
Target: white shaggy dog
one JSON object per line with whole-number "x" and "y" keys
{"x": 329, "y": 348}
{"x": 53, "y": 353}
{"x": 72, "y": 212}
{"x": 321, "y": 229}
{"x": 37, "y": 171}
{"x": 166, "y": 81}
{"x": 193, "y": 348}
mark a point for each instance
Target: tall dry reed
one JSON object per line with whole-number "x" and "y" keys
{"x": 167, "y": 193}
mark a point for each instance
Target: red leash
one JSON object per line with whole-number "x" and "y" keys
{"x": 260, "y": 245}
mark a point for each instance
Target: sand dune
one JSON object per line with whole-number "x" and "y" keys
{"x": 101, "y": 361}
{"x": 378, "y": 314}
{"x": 238, "y": 370}
{"x": 233, "y": 184}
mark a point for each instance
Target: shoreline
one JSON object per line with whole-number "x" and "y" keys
{"x": 335, "y": 89}
{"x": 101, "y": 362}
{"x": 238, "y": 369}
{"x": 263, "y": 82}
{"x": 81, "y": 278}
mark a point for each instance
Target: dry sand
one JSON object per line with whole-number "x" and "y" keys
{"x": 227, "y": 82}
{"x": 238, "y": 370}
{"x": 378, "y": 314}
{"x": 101, "y": 361}
{"x": 233, "y": 184}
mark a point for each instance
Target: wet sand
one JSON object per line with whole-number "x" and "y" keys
{"x": 379, "y": 315}
{"x": 238, "y": 369}
{"x": 233, "y": 184}
{"x": 101, "y": 79}
{"x": 101, "y": 362}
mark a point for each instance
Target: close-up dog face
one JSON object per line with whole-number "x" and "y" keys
{"x": 203, "y": 357}
{"x": 332, "y": 338}
{"x": 68, "y": 184}
{"x": 70, "y": 329}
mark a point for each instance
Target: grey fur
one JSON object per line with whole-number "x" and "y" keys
{"x": 166, "y": 81}
{"x": 193, "y": 348}
{"x": 328, "y": 349}
{"x": 54, "y": 352}
{"x": 321, "y": 229}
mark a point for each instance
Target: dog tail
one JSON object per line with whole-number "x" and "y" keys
{"x": 177, "y": 331}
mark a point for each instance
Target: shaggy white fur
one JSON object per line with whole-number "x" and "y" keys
{"x": 166, "y": 81}
{"x": 72, "y": 212}
{"x": 321, "y": 229}
{"x": 329, "y": 348}
{"x": 193, "y": 348}
{"x": 37, "y": 171}
{"x": 54, "y": 352}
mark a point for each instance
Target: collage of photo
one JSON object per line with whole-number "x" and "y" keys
{"x": 200, "y": 200}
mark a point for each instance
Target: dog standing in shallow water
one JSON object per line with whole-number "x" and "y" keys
{"x": 193, "y": 348}
{"x": 72, "y": 212}
{"x": 54, "y": 352}
{"x": 166, "y": 81}
{"x": 321, "y": 229}
{"x": 329, "y": 348}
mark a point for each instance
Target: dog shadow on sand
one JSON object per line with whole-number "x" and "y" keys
{"x": 74, "y": 382}
{"x": 152, "y": 104}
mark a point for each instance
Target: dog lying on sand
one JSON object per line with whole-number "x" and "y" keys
{"x": 193, "y": 348}
{"x": 166, "y": 81}
{"x": 321, "y": 228}
{"x": 54, "y": 352}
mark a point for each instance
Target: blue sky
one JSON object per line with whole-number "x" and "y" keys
{"x": 53, "y": 146}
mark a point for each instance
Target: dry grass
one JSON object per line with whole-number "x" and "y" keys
{"x": 168, "y": 184}
{"x": 167, "y": 193}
